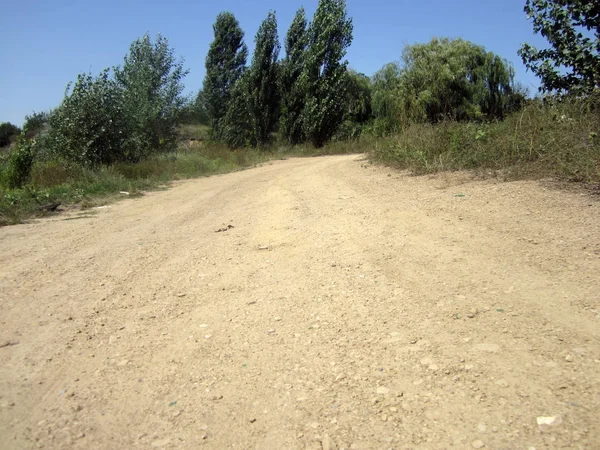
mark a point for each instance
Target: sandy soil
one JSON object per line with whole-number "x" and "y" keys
{"x": 350, "y": 306}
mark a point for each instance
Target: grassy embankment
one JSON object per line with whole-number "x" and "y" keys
{"x": 560, "y": 141}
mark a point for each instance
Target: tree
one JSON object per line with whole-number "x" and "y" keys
{"x": 357, "y": 106}
{"x": 225, "y": 64}
{"x": 358, "y": 98}
{"x": 292, "y": 94}
{"x": 237, "y": 129}
{"x": 572, "y": 27}
{"x": 35, "y": 123}
{"x": 151, "y": 80}
{"x": 8, "y": 131}
{"x": 453, "y": 79}
{"x": 89, "y": 126}
{"x": 324, "y": 74}
{"x": 386, "y": 99}
{"x": 263, "y": 99}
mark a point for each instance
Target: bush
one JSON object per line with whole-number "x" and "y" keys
{"x": 89, "y": 126}
{"x": 348, "y": 131}
{"x": 7, "y": 133}
{"x": 19, "y": 164}
{"x": 34, "y": 123}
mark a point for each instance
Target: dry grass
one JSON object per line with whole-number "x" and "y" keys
{"x": 558, "y": 140}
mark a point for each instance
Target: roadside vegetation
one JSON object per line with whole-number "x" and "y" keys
{"x": 448, "y": 104}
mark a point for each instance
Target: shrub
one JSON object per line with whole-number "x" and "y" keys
{"x": 89, "y": 126}
{"x": 34, "y": 123}
{"x": 19, "y": 163}
{"x": 7, "y": 132}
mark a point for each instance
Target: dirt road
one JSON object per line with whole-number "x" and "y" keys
{"x": 348, "y": 307}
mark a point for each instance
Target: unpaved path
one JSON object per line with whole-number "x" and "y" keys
{"x": 386, "y": 312}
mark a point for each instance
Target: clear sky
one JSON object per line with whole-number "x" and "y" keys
{"x": 44, "y": 44}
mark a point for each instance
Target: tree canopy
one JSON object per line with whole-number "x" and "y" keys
{"x": 572, "y": 28}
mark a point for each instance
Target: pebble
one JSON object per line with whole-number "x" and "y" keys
{"x": 568, "y": 358}
{"x": 161, "y": 443}
{"x": 551, "y": 421}
{"x": 477, "y": 444}
{"x": 382, "y": 390}
{"x": 492, "y": 348}
{"x": 482, "y": 427}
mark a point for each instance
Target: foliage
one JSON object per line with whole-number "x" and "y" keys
{"x": 292, "y": 94}
{"x": 263, "y": 99}
{"x": 453, "y": 79}
{"x": 237, "y": 126}
{"x": 324, "y": 74}
{"x": 90, "y": 127}
{"x": 193, "y": 110}
{"x": 20, "y": 162}
{"x": 151, "y": 83}
{"x": 7, "y": 132}
{"x": 225, "y": 64}
{"x": 386, "y": 99}
{"x": 572, "y": 27}
{"x": 35, "y": 122}
{"x": 358, "y": 97}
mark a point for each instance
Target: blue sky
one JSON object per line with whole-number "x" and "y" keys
{"x": 44, "y": 44}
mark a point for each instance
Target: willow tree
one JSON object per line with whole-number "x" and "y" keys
{"x": 453, "y": 79}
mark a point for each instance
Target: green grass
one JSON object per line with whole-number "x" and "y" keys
{"x": 542, "y": 140}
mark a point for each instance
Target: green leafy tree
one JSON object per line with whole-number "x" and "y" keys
{"x": 572, "y": 27}
{"x": 193, "y": 111}
{"x": 90, "y": 126}
{"x": 199, "y": 106}
{"x": 225, "y": 64}
{"x": 8, "y": 131}
{"x": 324, "y": 74}
{"x": 386, "y": 99}
{"x": 292, "y": 93}
{"x": 151, "y": 81}
{"x": 358, "y": 109}
{"x": 453, "y": 79}
{"x": 358, "y": 97}
{"x": 263, "y": 100}
{"x": 35, "y": 123}
{"x": 238, "y": 128}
